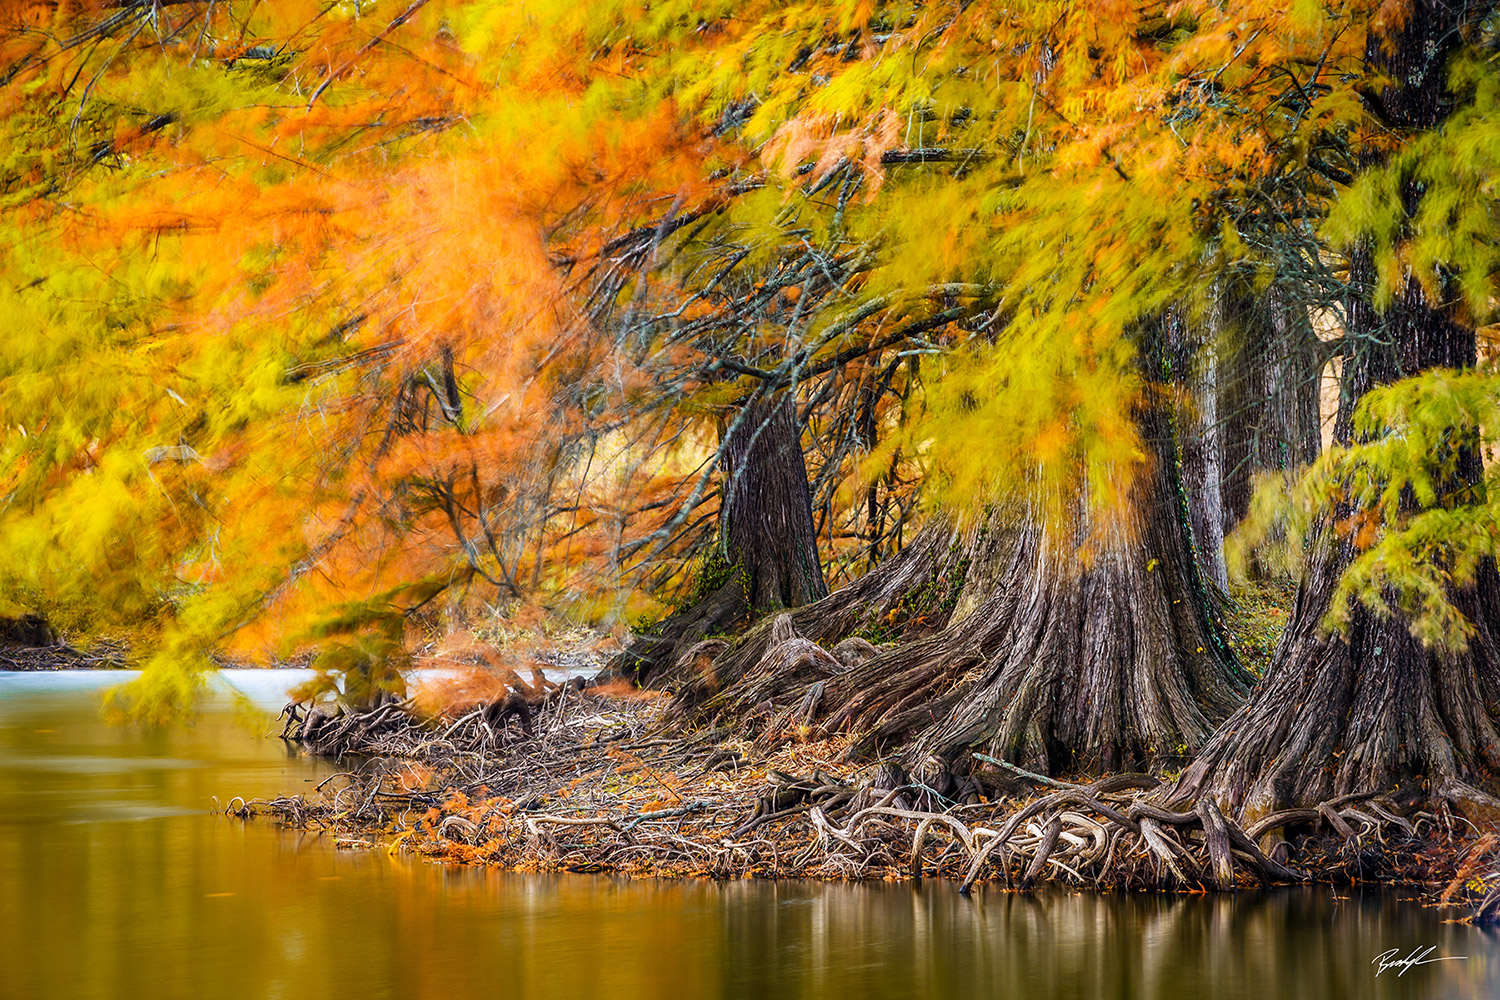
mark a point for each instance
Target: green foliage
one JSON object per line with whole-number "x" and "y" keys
{"x": 1403, "y": 499}
{"x": 168, "y": 688}
{"x": 362, "y": 647}
{"x": 1423, "y": 528}
{"x": 1432, "y": 209}
{"x": 713, "y": 571}
{"x": 1272, "y": 538}
{"x": 1255, "y": 616}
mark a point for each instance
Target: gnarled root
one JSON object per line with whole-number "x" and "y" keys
{"x": 394, "y": 726}
{"x": 599, "y": 789}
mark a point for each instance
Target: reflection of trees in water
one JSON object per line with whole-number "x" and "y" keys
{"x": 803, "y": 940}
{"x": 259, "y": 912}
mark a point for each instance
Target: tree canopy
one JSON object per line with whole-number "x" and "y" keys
{"x": 320, "y": 311}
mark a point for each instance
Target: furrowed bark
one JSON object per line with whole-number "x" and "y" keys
{"x": 1093, "y": 649}
{"x": 767, "y": 517}
{"x": 767, "y": 537}
{"x": 1108, "y": 664}
{"x": 1372, "y": 709}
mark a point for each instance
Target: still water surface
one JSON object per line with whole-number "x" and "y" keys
{"x": 119, "y": 879}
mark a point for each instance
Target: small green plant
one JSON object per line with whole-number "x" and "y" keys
{"x": 713, "y": 571}
{"x": 1255, "y": 617}
{"x": 928, "y": 606}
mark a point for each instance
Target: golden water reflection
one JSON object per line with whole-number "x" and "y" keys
{"x": 117, "y": 879}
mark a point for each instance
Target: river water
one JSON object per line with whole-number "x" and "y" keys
{"x": 118, "y": 878}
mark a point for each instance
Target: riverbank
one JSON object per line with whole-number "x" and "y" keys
{"x": 111, "y": 848}
{"x": 599, "y": 780}
{"x": 28, "y": 659}
{"x": 481, "y": 767}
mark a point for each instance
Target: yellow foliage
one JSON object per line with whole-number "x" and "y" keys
{"x": 364, "y": 308}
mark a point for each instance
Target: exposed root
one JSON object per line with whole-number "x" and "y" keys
{"x": 599, "y": 788}
{"x": 53, "y": 654}
{"x": 397, "y": 727}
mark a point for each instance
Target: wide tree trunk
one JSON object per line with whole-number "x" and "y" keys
{"x": 766, "y": 537}
{"x": 1373, "y": 709}
{"x": 1102, "y": 650}
{"x": 1096, "y": 649}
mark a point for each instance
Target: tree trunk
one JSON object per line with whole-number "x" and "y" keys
{"x": 1372, "y": 709}
{"x": 1112, "y": 660}
{"x": 1250, "y": 372}
{"x": 1201, "y": 442}
{"x": 767, "y": 537}
{"x": 1267, "y": 399}
{"x": 1096, "y": 650}
{"x": 766, "y": 518}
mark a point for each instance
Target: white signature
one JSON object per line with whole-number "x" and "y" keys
{"x": 1419, "y": 956}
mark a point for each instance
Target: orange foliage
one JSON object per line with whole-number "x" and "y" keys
{"x": 352, "y": 202}
{"x": 404, "y": 299}
{"x": 623, "y": 690}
